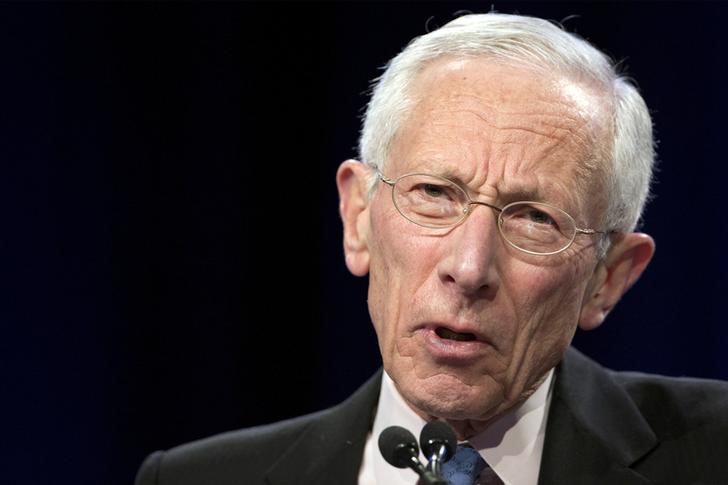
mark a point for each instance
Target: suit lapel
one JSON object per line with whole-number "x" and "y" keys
{"x": 330, "y": 449}
{"x": 595, "y": 433}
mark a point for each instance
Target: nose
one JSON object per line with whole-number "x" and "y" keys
{"x": 469, "y": 260}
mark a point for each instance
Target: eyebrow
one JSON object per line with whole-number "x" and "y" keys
{"x": 518, "y": 192}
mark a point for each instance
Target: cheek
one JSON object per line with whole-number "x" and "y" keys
{"x": 399, "y": 267}
{"x": 548, "y": 311}
{"x": 399, "y": 251}
{"x": 543, "y": 308}
{"x": 558, "y": 284}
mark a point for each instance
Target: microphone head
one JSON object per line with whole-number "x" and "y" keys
{"x": 397, "y": 446}
{"x": 436, "y": 434}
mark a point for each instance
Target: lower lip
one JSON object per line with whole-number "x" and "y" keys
{"x": 455, "y": 351}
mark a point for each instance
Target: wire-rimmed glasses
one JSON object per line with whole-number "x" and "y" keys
{"x": 436, "y": 202}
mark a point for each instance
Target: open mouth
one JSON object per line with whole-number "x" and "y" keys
{"x": 448, "y": 334}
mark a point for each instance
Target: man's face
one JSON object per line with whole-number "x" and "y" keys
{"x": 467, "y": 325}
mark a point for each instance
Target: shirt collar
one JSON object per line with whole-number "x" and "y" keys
{"x": 513, "y": 444}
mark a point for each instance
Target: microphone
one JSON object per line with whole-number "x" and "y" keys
{"x": 438, "y": 443}
{"x": 399, "y": 448}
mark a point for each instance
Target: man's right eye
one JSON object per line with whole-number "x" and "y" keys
{"x": 433, "y": 190}
{"x": 540, "y": 217}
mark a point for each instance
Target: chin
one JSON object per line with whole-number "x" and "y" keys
{"x": 446, "y": 397}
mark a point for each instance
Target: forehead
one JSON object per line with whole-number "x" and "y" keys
{"x": 504, "y": 130}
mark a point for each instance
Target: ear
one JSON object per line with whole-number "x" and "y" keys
{"x": 626, "y": 260}
{"x": 351, "y": 180}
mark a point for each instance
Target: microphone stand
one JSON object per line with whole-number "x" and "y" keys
{"x": 429, "y": 478}
{"x": 427, "y": 475}
{"x": 435, "y": 460}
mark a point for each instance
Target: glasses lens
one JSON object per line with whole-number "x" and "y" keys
{"x": 429, "y": 200}
{"x": 537, "y": 228}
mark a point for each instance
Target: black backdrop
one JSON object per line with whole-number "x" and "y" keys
{"x": 171, "y": 246}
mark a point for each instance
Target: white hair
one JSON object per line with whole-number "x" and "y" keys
{"x": 532, "y": 42}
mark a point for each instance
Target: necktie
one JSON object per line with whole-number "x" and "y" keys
{"x": 464, "y": 467}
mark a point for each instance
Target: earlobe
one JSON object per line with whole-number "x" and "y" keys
{"x": 351, "y": 181}
{"x": 626, "y": 260}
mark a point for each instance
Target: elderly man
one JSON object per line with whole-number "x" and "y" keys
{"x": 504, "y": 166}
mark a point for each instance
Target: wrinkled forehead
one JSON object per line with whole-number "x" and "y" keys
{"x": 513, "y": 129}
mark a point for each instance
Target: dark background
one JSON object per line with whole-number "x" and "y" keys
{"x": 172, "y": 258}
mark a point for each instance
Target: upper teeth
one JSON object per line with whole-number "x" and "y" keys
{"x": 449, "y": 334}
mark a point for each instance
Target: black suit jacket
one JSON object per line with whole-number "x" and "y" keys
{"x": 604, "y": 427}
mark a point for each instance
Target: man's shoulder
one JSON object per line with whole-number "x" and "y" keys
{"x": 629, "y": 427}
{"x": 249, "y": 443}
{"x": 249, "y": 454}
{"x": 245, "y": 452}
{"x": 677, "y": 401}
{"x": 660, "y": 399}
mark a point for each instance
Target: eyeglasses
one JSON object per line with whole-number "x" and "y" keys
{"x": 436, "y": 202}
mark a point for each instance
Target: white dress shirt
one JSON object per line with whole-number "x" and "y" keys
{"x": 512, "y": 445}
